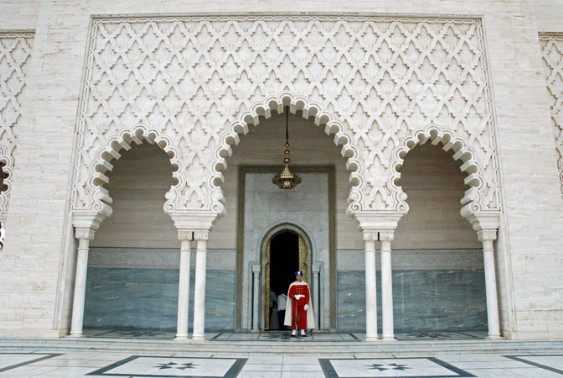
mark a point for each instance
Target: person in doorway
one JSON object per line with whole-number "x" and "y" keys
{"x": 282, "y": 303}
{"x": 274, "y": 319}
{"x": 300, "y": 314}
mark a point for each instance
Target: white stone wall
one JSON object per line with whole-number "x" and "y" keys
{"x": 36, "y": 266}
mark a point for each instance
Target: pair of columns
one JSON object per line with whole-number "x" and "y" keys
{"x": 85, "y": 234}
{"x": 386, "y": 286}
{"x": 186, "y": 238}
{"x": 486, "y": 236}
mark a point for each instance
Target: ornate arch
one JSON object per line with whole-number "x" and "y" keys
{"x": 309, "y": 110}
{"x": 15, "y": 53}
{"x": 99, "y": 196}
{"x": 6, "y": 170}
{"x": 450, "y": 142}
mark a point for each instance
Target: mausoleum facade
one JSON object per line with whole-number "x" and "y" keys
{"x": 140, "y": 140}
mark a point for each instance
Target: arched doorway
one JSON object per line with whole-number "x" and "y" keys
{"x": 285, "y": 252}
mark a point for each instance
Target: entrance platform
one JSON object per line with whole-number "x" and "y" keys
{"x": 107, "y": 353}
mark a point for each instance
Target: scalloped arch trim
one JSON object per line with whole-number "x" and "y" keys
{"x": 112, "y": 150}
{"x": 7, "y": 170}
{"x": 461, "y": 152}
{"x": 309, "y": 110}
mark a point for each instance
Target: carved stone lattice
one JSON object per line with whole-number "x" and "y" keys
{"x": 15, "y": 55}
{"x": 373, "y": 82}
{"x": 552, "y": 53}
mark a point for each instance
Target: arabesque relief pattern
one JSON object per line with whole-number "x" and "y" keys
{"x": 552, "y": 53}
{"x": 15, "y": 56}
{"x": 201, "y": 80}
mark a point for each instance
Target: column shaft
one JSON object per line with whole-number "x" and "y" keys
{"x": 316, "y": 295}
{"x": 255, "y": 298}
{"x": 386, "y": 292}
{"x": 199, "y": 291}
{"x": 491, "y": 289}
{"x": 184, "y": 291}
{"x": 371, "y": 290}
{"x": 80, "y": 288}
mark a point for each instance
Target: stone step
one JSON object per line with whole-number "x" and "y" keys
{"x": 299, "y": 346}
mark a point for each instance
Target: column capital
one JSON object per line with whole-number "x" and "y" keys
{"x": 201, "y": 235}
{"x": 485, "y": 224}
{"x": 378, "y": 221}
{"x": 370, "y": 236}
{"x": 190, "y": 220}
{"x": 185, "y": 235}
{"x": 386, "y": 236}
{"x": 86, "y": 223}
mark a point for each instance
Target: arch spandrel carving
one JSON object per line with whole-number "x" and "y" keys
{"x": 552, "y": 54}
{"x": 370, "y": 81}
{"x": 15, "y": 55}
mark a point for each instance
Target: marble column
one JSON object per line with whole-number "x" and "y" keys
{"x": 490, "y": 284}
{"x": 371, "y": 286}
{"x": 316, "y": 268}
{"x": 256, "y": 297}
{"x": 386, "y": 287}
{"x": 199, "y": 289}
{"x": 84, "y": 235}
{"x": 184, "y": 287}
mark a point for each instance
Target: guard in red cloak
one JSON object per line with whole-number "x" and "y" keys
{"x": 300, "y": 314}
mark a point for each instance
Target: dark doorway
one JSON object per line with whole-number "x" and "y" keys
{"x": 284, "y": 260}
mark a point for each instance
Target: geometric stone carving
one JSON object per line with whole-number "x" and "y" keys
{"x": 552, "y": 54}
{"x": 15, "y": 54}
{"x": 372, "y": 82}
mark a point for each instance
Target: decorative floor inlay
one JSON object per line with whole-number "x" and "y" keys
{"x": 283, "y": 336}
{"x": 9, "y": 361}
{"x": 151, "y": 366}
{"x": 551, "y": 362}
{"x": 440, "y": 336}
{"x": 130, "y": 334}
{"x": 419, "y": 367}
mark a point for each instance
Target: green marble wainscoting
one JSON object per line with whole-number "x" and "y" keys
{"x": 123, "y": 291}
{"x": 432, "y": 291}
{"x": 424, "y": 300}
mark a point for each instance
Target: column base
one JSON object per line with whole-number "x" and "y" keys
{"x": 371, "y": 338}
{"x": 76, "y": 334}
{"x": 388, "y": 338}
{"x": 494, "y": 337}
{"x": 198, "y": 338}
{"x": 181, "y": 338}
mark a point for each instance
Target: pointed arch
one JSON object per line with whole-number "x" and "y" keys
{"x": 450, "y": 142}
{"x": 264, "y": 109}
{"x": 304, "y": 258}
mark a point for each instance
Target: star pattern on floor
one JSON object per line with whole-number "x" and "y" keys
{"x": 398, "y": 367}
{"x": 174, "y": 365}
{"x": 393, "y": 366}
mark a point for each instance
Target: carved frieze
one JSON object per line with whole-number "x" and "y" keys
{"x": 552, "y": 54}
{"x": 195, "y": 84}
{"x": 15, "y": 56}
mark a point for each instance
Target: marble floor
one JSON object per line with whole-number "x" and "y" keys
{"x": 282, "y": 335}
{"x": 113, "y": 364}
{"x": 42, "y": 361}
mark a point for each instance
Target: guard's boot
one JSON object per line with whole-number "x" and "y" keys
{"x": 303, "y": 334}
{"x": 294, "y": 333}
